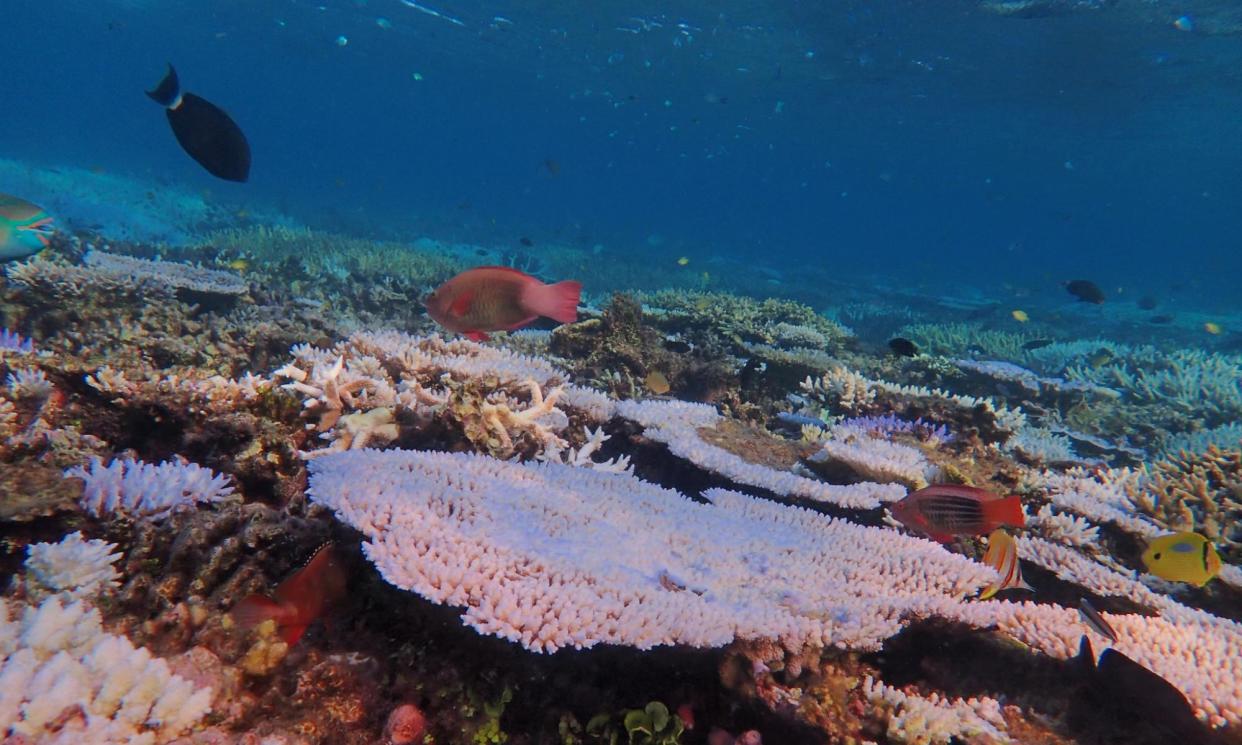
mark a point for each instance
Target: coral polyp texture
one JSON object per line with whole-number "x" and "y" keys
{"x": 74, "y": 566}
{"x": 66, "y": 680}
{"x": 554, "y": 556}
{"x": 135, "y": 489}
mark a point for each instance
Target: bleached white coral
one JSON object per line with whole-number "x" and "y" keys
{"x": 1063, "y": 528}
{"x": 64, "y": 680}
{"x": 923, "y": 720}
{"x": 75, "y": 566}
{"x": 875, "y": 459}
{"x": 29, "y": 382}
{"x": 135, "y": 489}
{"x": 554, "y": 556}
{"x": 582, "y": 456}
{"x": 676, "y": 424}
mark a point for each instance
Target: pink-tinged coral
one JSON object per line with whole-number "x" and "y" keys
{"x": 136, "y": 489}
{"x": 406, "y": 725}
{"x": 554, "y": 556}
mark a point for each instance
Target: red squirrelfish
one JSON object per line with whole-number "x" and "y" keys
{"x": 300, "y": 599}
{"x": 943, "y": 511}
{"x": 497, "y": 298}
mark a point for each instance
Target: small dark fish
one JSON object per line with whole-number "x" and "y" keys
{"x": 677, "y": 345}
{"x": 526, "y": 241}
{"x": 206, "y": 133}
{"x": 1094, "y": 621}
{"x": 1133, "y": 692}
{"x": 903, "y": 347}
{"x": 1161, "y": 319}
{"x": 552, "y": 165}
{"x": 1036, "y": 344}
{"x": 1085, "y": 290}
{"x": 1147, "y": 302}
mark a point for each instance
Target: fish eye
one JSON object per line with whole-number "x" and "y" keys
{"x": 1156, "y": 556}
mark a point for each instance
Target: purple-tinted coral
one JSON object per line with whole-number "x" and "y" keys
{"x": 890, "y": 424}
{"x": 11, "y": 341}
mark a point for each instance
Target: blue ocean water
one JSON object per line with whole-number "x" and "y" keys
{"x": 935, "y": 144}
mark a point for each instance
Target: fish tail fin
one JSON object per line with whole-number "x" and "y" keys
{"x": 168, "y": 91}
{"x": 558, "y": 302}
{"x": 1006, "y": 511}
{"x": 254, "y": 610}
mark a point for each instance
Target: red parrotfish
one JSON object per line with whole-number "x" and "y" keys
{"x": 300, "y": 599}
{"x": 497, "y": 298}
{"x": 943, "y": 511}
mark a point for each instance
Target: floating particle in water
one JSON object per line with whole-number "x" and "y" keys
{"x": 342, "y": 40}
{"x": 418, "y": 76}
{"x": 383, "y": 23}
{"x": 1184, "y": 23}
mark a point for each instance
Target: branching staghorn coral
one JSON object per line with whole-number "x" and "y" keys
{"x": 1200, "y": 492}
{"x": 503, "y": 402}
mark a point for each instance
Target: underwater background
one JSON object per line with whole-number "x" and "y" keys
{"x": 589, "y": 373}
{"x": 934, "y": 143}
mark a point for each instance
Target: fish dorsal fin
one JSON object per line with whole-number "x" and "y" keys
{"x": 461, "y": 304}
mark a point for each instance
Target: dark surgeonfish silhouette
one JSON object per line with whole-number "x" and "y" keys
{"x": 204, "y": 130}
{"x": 1132, "y": 693}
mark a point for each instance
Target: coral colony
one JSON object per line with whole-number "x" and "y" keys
{"x": 669, "y": 521}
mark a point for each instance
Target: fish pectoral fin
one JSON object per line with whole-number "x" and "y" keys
{"x": 476, "y": 336}
{"x": 461, "y": 304}
{"x": 292, "y": 633}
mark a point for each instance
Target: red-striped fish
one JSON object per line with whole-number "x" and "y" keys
{"x": 943, "y": 511}
{"x": 1002, "y": 555}
{"x": 300, "y": 599}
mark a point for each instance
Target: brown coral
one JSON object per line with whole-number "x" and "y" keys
{"x": 1201, "y": 492}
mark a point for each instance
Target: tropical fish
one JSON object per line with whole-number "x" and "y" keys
{"x": 1147, "y": 302}
{"x": 1182, "y": 557}
{"x": 206, "y": 133}
{"x": 1036, "y": 344}
{"x": 657, "y": 383}
{"x": 300, "y": 599}
{"x": 1131, "y": 692}
{"x": 25, "y": 229}
{"x": 1085, "y": 290}
{"x": 683, "y": 261}
{"x": 526, "y": 241}
{"x": 1002, "y": 555}
{"x": 1212, "y": 328}
{"x": 903, "y": 347}
{"x": 1094, "y": 621}
{"x": 497, "y": 298}
{"x": 943, "y": 511}
{"x": 1020, "y": 316}
{"x": 1162, "y": 318}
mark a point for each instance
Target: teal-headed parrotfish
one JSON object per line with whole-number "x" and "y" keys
{"x": 25, "y": 229}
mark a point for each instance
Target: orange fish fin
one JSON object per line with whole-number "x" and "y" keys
{"x": 461, "y": 304}
{"x": 292, "y": 633}
{"x": 477, "y": 336}
{"x": 558, "y": 302}
{"x": 1005, "y": 511}
{"x": 255, "y": 609}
